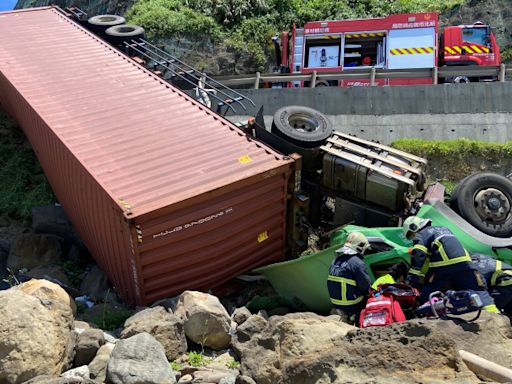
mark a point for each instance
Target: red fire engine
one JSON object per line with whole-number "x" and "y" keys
{"x": 401, "y": 41}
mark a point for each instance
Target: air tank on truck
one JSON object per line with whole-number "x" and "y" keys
{"x": 399, "y": 41}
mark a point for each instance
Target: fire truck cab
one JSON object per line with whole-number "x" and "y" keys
{"x": 401, "y": 41}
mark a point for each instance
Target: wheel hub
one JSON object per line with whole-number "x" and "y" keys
{"x": 492, "y": 204}
{"x": 303, "y": 122}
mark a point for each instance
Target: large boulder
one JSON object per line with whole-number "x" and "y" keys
{"x": 36, "y": 336}
{"x": 46, "y": 290}
{"x": 29, "y": 250}
{"x": 206, "y": 321}
{"x": 163, "y": 326}
{"x": 307, "y": 348}
{"x": 139, "y": 359}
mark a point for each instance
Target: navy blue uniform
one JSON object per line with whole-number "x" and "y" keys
{"x": 439, "y": 258}
{"x": 498, "y": 276}
{"x": 348, "y": 283}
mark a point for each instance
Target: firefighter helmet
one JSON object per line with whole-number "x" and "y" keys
{"x": 357, "y": 242}
{"x": 414, "y": 224}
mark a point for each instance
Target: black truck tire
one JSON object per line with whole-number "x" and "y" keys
{"x": 485, "y": 201}
{"x": 98, "y": 24}
{"x": 302, "y": 126}
{"x": 118, "y": 34}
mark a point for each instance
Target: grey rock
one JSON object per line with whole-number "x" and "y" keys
{"x": 98, "y": 366}
{"x": 253, "y": 325}
{"x": 186, "y": 379}
{"x": 81, "y": 326}
{"x": 241, "y": 315}
{"x": 207, "y": 375}
{"x": 162, "y": 325}
{"x": 206, "y": 321}
{"x": 36, "y": 336}
{"x": 228, "y": 380}
{"x": 96, "y": 285}
{"x": 53, "y": 273}
{"x": 89, "y": 341}
{"x": 137, "y": 360}
{"x": 242, "y": 379}
{"x": 81, "y": 372}
{"x": 45, "y": 379}
{"x": 30, "y": 250}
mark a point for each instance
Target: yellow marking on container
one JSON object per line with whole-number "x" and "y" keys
{"x": 139, "y": 233}
{"x": 262, "y": 237}
{"x": 244, "y": 159}
{"x": 125, "y": 204}
{"x": 476, "y": 49}
{"x": 457, "y": 49}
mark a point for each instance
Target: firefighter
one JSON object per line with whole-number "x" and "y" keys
{"x": 498, "y": 276}
{"x": 439, "y": 262}
{"x": 396, "y": 274}
{"x": 349, "y": 281}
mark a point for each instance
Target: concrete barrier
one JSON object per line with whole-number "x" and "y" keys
{"x": 480, "y": 111}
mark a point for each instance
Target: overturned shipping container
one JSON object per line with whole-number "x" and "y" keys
{"x": 166, "y": 194}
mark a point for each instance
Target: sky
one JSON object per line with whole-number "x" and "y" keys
{"x": 7, "y": 5}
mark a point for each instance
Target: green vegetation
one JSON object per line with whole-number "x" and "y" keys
{"x": 197, "y": 359}
{"x": 175, "y": 366}
{"x": 246, "y": 26}
{"x": 455, "y": 159}
{"x": 233, "y": 364}
{"x": 22, "y": 182}
{"x": 455, "y": 150}
{"x": 110, "y": 318}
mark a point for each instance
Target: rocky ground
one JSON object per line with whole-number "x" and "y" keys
{"x": 48, "y": 337}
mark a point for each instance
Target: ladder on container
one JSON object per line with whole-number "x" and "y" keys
{"x": 390, "y": 162}
{"x": 182, "y": 75}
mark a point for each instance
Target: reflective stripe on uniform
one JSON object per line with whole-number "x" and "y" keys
{"x": 446, "y": 260}
{"x": 498, "y": 273}
{"x": 344, "y": 281}
{"x": 421, "y": 248}
{"x": 347, "y": 302}
{"x": 413, "y": 271}
{"x": 491, "y": 308}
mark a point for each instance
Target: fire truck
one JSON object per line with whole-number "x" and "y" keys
{"x": 400, "y": 41}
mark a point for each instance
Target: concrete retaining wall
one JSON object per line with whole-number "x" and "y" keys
{"x": 481, "y": 111}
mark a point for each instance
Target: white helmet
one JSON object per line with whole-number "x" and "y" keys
{"x": 415, "y": 224}
{"x": 357, "y": 242}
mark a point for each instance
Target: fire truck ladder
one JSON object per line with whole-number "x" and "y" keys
{"x": 174, "y": 71}
{"x": 387, "y": 161}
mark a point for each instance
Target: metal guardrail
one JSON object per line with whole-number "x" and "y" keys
{"x": 500, "y": 72}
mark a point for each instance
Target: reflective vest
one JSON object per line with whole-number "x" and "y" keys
{"x": 436, "y": 248}
{"x": 348, "y": 281}
{"x": 495, "y": 272}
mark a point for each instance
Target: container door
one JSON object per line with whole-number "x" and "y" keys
{"x": 411, "y": 48}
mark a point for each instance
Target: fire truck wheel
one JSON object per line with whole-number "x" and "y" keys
{"x": 485, "y": 201}
{"x": 118, "y": 34}
{"x": 100, "y": 23}
{"x": 322, "y": 83}
{"x": 461, "y": 80}
{"x": 303, "y": 126}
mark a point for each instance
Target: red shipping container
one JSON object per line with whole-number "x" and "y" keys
{"x": 166, "y": 194}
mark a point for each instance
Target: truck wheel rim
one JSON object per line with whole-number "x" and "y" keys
{"x": 303, "y": 122}
{"x": 492, "y": 204}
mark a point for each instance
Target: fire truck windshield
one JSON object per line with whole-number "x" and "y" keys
{"x": 475, "y": 36}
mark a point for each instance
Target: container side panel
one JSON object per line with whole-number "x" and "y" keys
{"x": 205, "y": 244}
{"x": 100, "y": 223}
